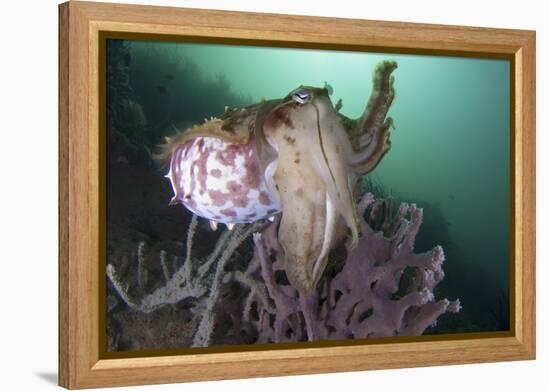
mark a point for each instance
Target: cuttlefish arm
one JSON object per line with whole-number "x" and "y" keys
{"x": 313, "y": 180}
{"x": 370, "y": 133}
{"x": 303, "y": 226}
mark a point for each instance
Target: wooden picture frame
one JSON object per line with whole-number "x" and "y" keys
{"x": 81, "y": 192}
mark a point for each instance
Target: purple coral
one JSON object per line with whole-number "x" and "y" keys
{"x": 383, "y": 288}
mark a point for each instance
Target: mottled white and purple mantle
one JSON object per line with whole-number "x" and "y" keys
{"x": 221, "y": 181}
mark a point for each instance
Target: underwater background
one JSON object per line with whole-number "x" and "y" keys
{"x": 450, "y": 155}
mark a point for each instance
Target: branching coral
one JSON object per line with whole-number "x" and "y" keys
{"x": 206, "y": 326}
{"x": 179, "y": 286}
{"x": 383, "y": 288}
{"x": 380, "y": 288}
{"x": 192, "y": 280}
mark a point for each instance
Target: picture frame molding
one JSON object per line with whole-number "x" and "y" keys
{"x": 81, "y": 191}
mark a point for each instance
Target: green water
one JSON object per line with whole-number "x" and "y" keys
{"x": 450, "y": 150}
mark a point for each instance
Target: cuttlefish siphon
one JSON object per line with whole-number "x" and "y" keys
{"x": 297, "y": 156}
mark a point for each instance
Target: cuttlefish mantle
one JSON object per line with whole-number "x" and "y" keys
{"x": 297, "y": 156}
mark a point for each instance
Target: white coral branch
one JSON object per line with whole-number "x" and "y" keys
{"x": 206, "y": 326}
{"x": 185, "y": 282}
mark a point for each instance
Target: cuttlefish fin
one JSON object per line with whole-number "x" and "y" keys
{"x": 236, "y": 126}
{"x": 211, "y": 128}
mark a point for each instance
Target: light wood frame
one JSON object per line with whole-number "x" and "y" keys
{"x": 80, "y": 24}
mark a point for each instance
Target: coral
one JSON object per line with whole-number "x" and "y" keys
{"x": 193, "y": 280}
{"x": 206, "y": 325}
{"x": 382, "y": 288}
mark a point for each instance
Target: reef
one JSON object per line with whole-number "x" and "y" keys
{"x": 379, "y": 288}
{"x": 198, "y": 280}
{"x": 382, "y": 289}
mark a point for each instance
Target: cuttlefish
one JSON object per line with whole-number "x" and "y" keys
{"x": 297, "y": 156}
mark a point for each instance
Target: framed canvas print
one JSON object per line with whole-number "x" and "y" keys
{"x": 254, "y": 195}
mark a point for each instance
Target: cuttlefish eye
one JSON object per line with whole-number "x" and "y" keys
{"x": 301, "y": 96}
